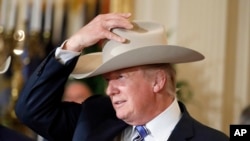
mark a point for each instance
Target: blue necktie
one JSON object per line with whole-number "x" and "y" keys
{"x": 142, "y": 133}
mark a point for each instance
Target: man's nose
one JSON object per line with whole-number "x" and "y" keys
{"x": 111, "y": 89}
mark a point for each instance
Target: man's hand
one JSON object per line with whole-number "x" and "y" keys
{"x": 97, "y": 29}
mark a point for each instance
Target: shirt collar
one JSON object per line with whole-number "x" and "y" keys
{"x": 162, "y": 126}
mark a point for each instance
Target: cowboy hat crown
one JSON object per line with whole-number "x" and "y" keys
{"x": 146, "y": 44}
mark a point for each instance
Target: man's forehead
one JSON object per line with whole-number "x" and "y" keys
{"x": 125, "y": 70}
{"x": 140, "y": 67}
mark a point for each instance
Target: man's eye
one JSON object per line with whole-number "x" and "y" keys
{"x": 107, "y": 79}
{"x": 120, "y": 76}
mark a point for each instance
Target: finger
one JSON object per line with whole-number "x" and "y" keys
{"x": 117, "y": 15}
{"x": 113, "y": 36}
{"x": 125, "y": 15}
{"x": 110, "y": 24}
{"x": 113, "y": 20}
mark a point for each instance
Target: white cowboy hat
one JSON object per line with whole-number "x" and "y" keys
{"x": 146, "y": 44}
{"x": 4, "y": 67}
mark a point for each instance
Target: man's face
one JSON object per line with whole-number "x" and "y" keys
{"x": 76, "y": 92}
{"x": 131, "y": 94}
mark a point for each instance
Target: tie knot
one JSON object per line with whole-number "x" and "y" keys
{"x": 142, "y": 131}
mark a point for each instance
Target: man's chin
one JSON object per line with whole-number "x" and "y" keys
{"x": 121, "y": 116}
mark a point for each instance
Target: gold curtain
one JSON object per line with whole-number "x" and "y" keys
{"x": 122, "y": 6}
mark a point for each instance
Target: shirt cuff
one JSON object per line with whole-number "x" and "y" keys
{"x": 65, "y": 55}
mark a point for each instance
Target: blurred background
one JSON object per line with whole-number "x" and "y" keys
{"x": 215, "y": 90}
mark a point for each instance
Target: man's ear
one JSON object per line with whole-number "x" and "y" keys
{"x": 159, "y": 81}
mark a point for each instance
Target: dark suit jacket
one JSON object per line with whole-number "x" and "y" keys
{"x": 39, "y": 107}
{"x": 7, "y": 134}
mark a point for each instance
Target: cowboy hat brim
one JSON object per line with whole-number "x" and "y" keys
{"x": 90, "y": 65}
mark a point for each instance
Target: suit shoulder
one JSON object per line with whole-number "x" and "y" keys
{"x": 212, "y": 133}
{"x": 98, "y": 104}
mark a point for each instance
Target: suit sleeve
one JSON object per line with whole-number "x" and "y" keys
{"x": 39, "y": 105}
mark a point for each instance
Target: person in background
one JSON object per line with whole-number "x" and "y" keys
{"x": 140, "y": 101}
{"x": 245, "y": 116}
{"x": 76, "y": 91}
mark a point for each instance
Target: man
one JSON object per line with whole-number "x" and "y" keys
{"x": 137, "y": 63}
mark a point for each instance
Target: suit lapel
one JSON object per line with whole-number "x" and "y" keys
{"x": 108, "y": 131}
{"x": 184, "y": 129}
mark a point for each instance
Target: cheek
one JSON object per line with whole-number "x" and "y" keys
{"x": 137, "y": 91}
{"x": 141, "y": 95}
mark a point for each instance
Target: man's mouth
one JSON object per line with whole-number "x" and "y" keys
{"x": 119, "y": 103}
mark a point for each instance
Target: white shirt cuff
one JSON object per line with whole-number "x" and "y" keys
{"x": 65, "y": 55}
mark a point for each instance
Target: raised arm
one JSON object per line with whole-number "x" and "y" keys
{"x": 39, "y": 105}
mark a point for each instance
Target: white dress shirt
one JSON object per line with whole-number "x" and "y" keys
{"x": 64, "y": 55}
{"x": 160, "y": 127}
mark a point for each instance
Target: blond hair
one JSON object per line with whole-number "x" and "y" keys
{"x": 170, "y": 75}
